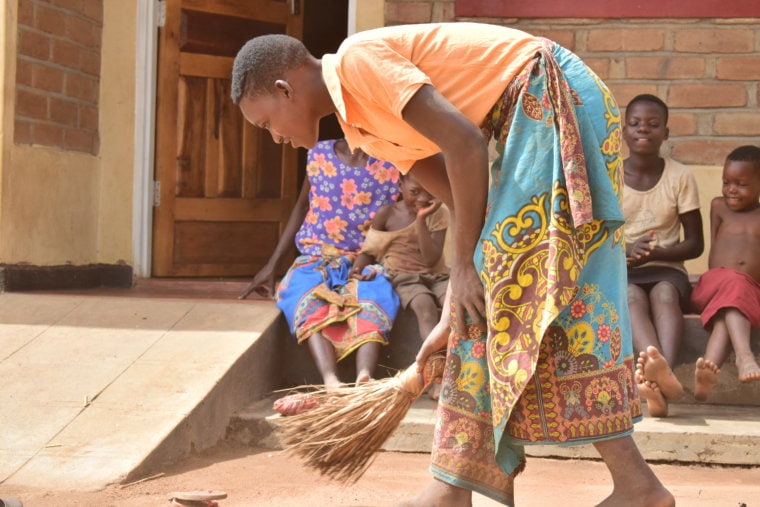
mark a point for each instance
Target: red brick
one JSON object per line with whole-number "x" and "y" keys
{"x": 738, "y": 68}
{"x": 624, "y": 92}
{"x": 47, "y": 135}
{"x": 25, "y": 12}
{"x": 81, "y": 87}
{"x": 90, "y": 62}
{"x": 664, "y": 67}
{"x": 565, "y": 38}
{"x": 682, "y": 124}
{"x": 88, "y": 117}
{"x": 22, "y": 132}
{"x": 93, "y": 9}
{"x": 31, "y": 105}
{"x": 601, "y": 66}
{"x": 79, "y": 140}
{"x": 714, "y": 40}
{"x": 408, "y": 12}
{"x": 628, "y": 39}
{"x": 83, "y": 31}
{"x": 702, "y": 151}
{"x": 23, "y": 72}
{"x": 706, "y": 95}
{"x": 47, "y": 78}
{"x": 33, "y": 44}
{"x": 72, "y": 5}
{"x": 737, "y": 124}
{"x": 49, "y": 20}
{"x": 67, "y": 53}
{"x": 64, "y": 112}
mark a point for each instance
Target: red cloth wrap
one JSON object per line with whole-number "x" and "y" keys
{"x": 721, "y": 288}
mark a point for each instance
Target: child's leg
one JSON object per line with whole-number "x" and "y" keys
{"x": 425, "y": 309}
{"x": 739, "y": 329}
{"x": 668, "y": 319}
{"x": 324, "y": 356}
{"x": 366, "y": 361}
{"x": 644, "y": 333}
{"x": 708, "y": 367}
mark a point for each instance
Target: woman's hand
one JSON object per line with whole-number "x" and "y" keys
{"x": 467, "y": 297}
{"x": 435, "y": 341}
{"x": 262, "y": 283}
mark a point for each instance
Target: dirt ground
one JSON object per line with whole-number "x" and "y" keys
{"x": 257, "y": 477}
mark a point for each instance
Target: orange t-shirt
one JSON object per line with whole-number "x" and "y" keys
{"x": 375, "y": 73}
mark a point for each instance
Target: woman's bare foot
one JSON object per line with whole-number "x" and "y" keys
{"x": 655, "y": 497}
{"x": 440, "y": 494}
{"x": 657, "y": 405}
{"x": 655, "y": 368}
{"x": 705, "y": 378}
{"x": 749, "y": 370}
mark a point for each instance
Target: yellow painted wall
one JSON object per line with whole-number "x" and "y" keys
{"x": 369, "y": 14}
{"x": 117, "y": 118}
{"x": 59, "y": 207}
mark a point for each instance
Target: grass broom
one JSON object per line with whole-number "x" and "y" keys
{"x": 342, "y": 430}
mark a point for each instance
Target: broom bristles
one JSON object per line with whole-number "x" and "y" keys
{"x": 343, "y": 433}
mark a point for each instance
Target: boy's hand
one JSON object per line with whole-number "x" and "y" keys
{"x": 361, "y": 262}
{"x": 429, "y": 209}
{"x": 639, "y": 250}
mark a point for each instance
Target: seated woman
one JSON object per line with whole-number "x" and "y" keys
{"x": 335, "y": 315}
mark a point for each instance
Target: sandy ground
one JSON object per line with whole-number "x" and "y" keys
{"x": 257, "y": 477}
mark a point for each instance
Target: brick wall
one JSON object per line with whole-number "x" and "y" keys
{"x": 707, "y": 70}
{"x": 58, "y": 73}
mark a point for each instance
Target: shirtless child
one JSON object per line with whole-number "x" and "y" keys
{"x": 728, "y": 294}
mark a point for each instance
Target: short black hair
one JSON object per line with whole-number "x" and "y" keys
{"x": 747, "y": 153}
{"x": 262, "y": 60}
{"x": 648, "y": 97}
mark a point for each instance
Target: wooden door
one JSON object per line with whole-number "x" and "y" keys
{"x": 226, "y": 189}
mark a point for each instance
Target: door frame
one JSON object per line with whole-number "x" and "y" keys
{"x": 146, "y": 58}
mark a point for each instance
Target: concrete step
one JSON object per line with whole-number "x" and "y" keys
{"x": 721, "y": 435}
{"x": 299, "y": 369}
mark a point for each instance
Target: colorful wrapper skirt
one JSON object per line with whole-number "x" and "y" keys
{"x": 316, "y": 295}
{"x": 555, "y": 365}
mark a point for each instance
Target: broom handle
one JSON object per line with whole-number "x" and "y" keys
{"x": 411, "y": 380}
{"x": 414, "y": 382}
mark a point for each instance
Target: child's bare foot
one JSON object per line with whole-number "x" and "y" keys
{"x": 363, "y": 377}
{"x": 705, "y": 378}
{"x": 657, "y": 405}
{"x": 654, "y": 368}
{"x": 748, "y": 368}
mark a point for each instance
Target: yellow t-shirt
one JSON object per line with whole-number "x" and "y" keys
{"x": 375, "y": 73}
{"x": 658, "y": 209}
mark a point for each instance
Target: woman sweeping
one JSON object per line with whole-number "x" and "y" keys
{"x": 545, "y": 357}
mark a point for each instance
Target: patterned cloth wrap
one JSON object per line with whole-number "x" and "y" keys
{"x": 555, "y": 365}
{"x": 316, "y": 295}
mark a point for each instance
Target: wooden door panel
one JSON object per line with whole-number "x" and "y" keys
{"x": 226, "y": 188}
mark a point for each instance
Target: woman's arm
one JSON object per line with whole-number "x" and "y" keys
{"x": 263, "y": 281}
{"x": 462, "y": 185}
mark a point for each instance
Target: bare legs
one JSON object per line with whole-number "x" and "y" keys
{"x": 324, "y": 356}
{"x": 634, "y": 483}
{"x": 658, "y": 340}
{"x": 426, "y": 310}
{"x": 730, "y": 326}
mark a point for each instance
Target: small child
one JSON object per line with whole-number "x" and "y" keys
{"x": 659, "y": 200}
{"x": 407, "y": 238}
{"x": 728, "y": 294}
